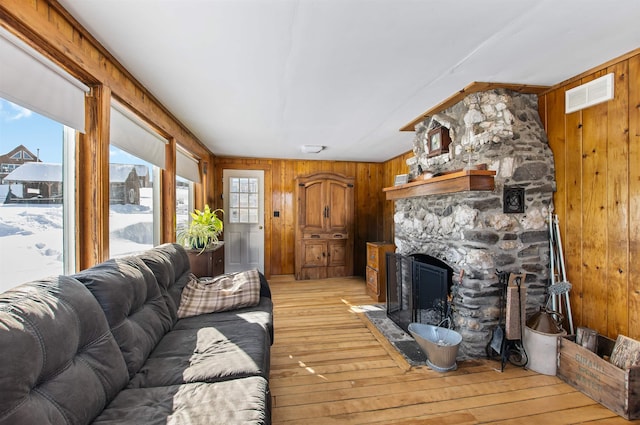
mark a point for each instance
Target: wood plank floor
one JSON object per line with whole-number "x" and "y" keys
{"x": 330, "y": 366}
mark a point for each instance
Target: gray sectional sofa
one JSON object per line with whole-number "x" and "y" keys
{"x": 105, "y": 346}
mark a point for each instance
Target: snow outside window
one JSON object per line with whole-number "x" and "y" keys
{"x": 184, "y": 203}
{"x": 187, "y": 173}
{"x": 36, "y": 211}
{"x": 133, "y": 200}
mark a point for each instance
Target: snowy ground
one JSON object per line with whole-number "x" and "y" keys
{"x": 31, "y": 236}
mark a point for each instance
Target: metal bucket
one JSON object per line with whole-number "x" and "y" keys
{"x": 439, "y": 344}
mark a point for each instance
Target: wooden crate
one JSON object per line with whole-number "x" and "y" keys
{"x": 614, "y": 388}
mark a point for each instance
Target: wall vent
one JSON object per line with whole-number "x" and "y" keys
{"x": 589, "y": 94}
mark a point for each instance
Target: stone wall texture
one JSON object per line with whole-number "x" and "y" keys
{"x": 469, "y": 230}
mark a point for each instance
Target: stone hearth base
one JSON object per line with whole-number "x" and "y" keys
{"x": 399, "y": 339}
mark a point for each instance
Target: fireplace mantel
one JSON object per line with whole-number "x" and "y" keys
{"x": 460, "y": 181}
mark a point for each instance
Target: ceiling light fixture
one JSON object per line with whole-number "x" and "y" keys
{"x": 311, "y": 148}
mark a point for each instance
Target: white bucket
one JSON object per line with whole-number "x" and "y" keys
{"x": 542, "y": 349}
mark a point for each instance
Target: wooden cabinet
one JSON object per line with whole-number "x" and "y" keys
{"x": 209, "y": 263}
{"x": 376, "y": 272}
{"x": 324, "y": 226}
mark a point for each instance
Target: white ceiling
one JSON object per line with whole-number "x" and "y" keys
{"x": 260, "y": 78}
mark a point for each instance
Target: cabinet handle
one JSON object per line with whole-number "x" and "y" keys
{"x": 315, "y": 236}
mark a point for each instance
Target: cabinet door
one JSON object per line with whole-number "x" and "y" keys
{"x": 312, "y": 206}
{"x": 218, "y": 262}
{"x": 315, "y": 253}
{"x": 337, "y": 258}
{"x": 339, "y": 202}
{"x": 336, "y": 252}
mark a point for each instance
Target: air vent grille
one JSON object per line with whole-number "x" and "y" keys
{"x": 589, "y": 94}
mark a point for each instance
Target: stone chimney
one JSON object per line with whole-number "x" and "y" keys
{"x": 478, "y": 233}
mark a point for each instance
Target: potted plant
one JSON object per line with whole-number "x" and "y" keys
{"x": 203, "y": 231}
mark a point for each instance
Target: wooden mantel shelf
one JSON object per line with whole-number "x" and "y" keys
{"x": 458, "y": 181}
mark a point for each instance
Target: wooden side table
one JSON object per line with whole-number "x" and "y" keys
{"x": 209, "y": 263}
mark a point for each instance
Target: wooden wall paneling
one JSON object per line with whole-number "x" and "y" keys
{"x": 554, "y": 107}
{"x": 277, "y": 229}
{"x": 368, "y": 207}
{"x": 617, "y": 207}
{"x": 598, "y": 198}
{"x": 168, "y": 201}
{"x": 634, "y": 197}
{"x": 393, "y": 167}
{"x": 571, "y": 190}
{"x": 286, "y": 222}
{"x": 555, "y": 128}
{"x": 92, "y": 181}
{"x": 594, "y": 216}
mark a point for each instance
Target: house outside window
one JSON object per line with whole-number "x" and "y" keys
{"x": 136, "y": 157}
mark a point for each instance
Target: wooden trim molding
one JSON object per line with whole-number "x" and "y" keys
{"x": 474, "y": 87}
{"x": 168, "y": 214}
{"x": 92, "y": 181}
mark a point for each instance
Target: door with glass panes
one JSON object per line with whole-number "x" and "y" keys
{"x": 243, "y": 220}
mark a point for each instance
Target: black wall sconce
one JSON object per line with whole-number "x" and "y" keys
{"x": 513, "y": 200}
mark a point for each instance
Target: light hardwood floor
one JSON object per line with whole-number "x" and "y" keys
{"x": 330, "y": 366}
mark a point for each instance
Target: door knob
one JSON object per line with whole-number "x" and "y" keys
{"x": 260, "y": 227}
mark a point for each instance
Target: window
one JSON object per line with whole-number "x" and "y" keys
{"x": 243, "y": 200}
{"x": 187, "y": 173}
{"x": 36, "y": 215}
{"x": 184, "y": 203}
{"x": 136, "y": 158}
{"x": 37, "y": 219}
{"x": 7, "y": 168}
{"x": 17, "y": 155}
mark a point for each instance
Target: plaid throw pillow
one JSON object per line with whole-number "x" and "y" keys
{"x": 225, "y": 292}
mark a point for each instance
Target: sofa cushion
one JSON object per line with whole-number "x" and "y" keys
{"x": 240, "y": 401}
{"x": 261, "y": 314}
{"x": 221, "y": 293}
{"x": 208, "y": 354}
{"x": 60, "y": 363}
{"x": 162, "y": 268}
{"x": 129, "y": 295}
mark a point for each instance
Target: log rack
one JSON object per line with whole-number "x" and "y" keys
{"x": 458, "y": 181}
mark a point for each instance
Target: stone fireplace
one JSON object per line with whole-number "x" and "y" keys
{"x": 478, "y": 233}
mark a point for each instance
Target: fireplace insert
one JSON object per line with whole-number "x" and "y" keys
{"x": 418, "y": 287}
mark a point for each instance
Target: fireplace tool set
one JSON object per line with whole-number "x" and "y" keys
{"x": 506, "y": 340}
{"x": 559, "y": 289}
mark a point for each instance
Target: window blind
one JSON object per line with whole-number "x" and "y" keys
{"x": 132, "y": 135}
{"x": 32, "y": 81}
{"x": 187, "y": 166}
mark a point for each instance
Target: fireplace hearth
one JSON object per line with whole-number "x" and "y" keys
{"x": 418, "y": 289}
